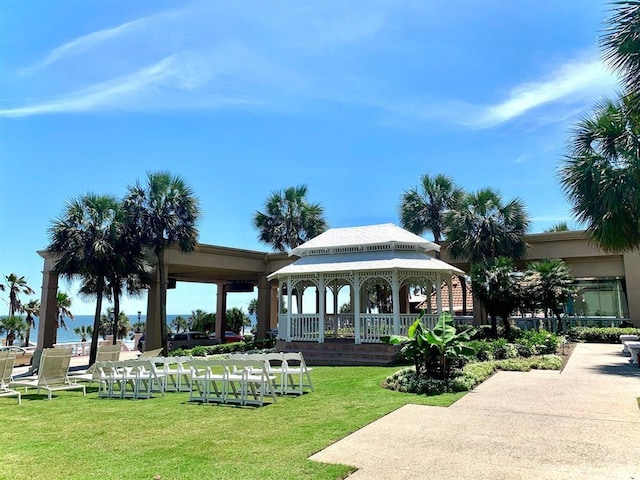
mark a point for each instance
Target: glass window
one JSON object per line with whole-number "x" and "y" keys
{"x": 599, "y": 297}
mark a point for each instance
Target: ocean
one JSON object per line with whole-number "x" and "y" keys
{"x": 67, "y": 336}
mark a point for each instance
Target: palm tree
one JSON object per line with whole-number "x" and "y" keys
{"x": 83, "y": 331}
{"x": 235, "y": 319}
{"x": 32, "y": 309}
{"x": 549, "y": 282}
{"x": 289, "y": 219}
{"x": 16, "y": 286}
{"x": 558, "y": 227}
{"x": 600, "y": 174}
{"x": 621, "y": 44}
{"x": 180, "y": 322}
{"x": 423, "y": 208}
{"x": 495, "y": 285}
{"x": 63, "y": 304}
{"x": 14, "y": 325}
{"x": 482, "y": 227}
{"x": 86, "y": 240}
{"x": 164, "y": 212}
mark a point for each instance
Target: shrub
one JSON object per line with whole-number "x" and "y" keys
{"x": 225, "y": 348}
{"x": 483, "y": 349}
{"x": 503, "y": 349}
{"x": 539, "y": 342}
{"x": 600, "y": 335}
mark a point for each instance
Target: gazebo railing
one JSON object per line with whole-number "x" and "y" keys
{"x": 374, "y": 326}
{"x": 305, "y": 327}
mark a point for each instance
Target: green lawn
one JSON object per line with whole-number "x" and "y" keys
{"x": 72, "y": 437}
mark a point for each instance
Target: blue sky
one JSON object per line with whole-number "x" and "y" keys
{"x": 355, "y": 99}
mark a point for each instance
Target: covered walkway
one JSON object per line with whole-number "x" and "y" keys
{"x": 583, "y": 423}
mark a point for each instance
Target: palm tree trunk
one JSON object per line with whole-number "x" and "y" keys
{"x": 163, "y": 303}
{"x": 463, "y": 286}
{"x": 116, "y": 313}
{"x": 93, "y": 351}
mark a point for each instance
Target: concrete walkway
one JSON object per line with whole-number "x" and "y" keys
{"x": 583, "y": 423}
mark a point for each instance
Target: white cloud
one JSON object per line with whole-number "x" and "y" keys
{"x": 572, "y": 82}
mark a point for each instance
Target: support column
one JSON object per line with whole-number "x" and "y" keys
{"x": 275, "y": 307}
{"x": 48, "y": 302}
{"x": 221, "y": 309}
{"x": 395, "y": 295}
{"x": 356, "y": 305}
{"x": 153, "y": 332}
{"x": 631, "y": 261}
{"x": 450, "y": 288}
{"x": 322, "y": 309}
{"x": 439, "y": 294}
{"x": 264, "y": 307}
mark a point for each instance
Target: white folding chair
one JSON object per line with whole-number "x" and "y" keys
{"x": 257, "y": 383}
{"x": 275, "y": 366}
{"x": 297, "y": 374}
{"x": 208, "y": 382}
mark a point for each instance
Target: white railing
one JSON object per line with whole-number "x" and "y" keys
{"x": 77, "y": 348}
{"x": 305, "y": 328}
{"x": 407, "y": 319}
{"x": 340, "y": 326}
{"x": 374, "y": 326}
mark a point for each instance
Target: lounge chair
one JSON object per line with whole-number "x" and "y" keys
{"x": 105, "y": 353}
{"x": 151, "y": 353}
{"x": 7, "y": 358}
{"x": 52, "y": 373}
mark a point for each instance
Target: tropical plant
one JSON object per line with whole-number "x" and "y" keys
{"x": 483, "y": 227}
{"x": 558, "y": 227}
{"x": 235, "y": 319}
{"x": 600, "y": 174}
{"x": 621, "y": 46}
{"x": 549, "y": 282}
{"x": 289, "y": 219}
{"x": 93, "y": 241}
{"x": 180, "y": 323}
{"x": 423, "y": 208}
{"x": 16, "y": 286}
{"x": 495, "y": 283}
{"x": 164, "y": 212}
{"x": 108, "y": 324}
{"x": 434, "y": 351}
{"x": 14, "y": 326}
{"x": 63, "y": 305}
{"x": 83, "y": 331}
{"x": 32, "y": 309}
{"x": 252, "y": 308}
{"x": 202, "y": 321}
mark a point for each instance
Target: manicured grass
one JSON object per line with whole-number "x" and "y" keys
{"x": 73, "y": 437}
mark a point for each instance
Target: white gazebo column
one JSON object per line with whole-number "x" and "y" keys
{"x": 289, "y": 306}
{"x": 439, "y": 293}
{"x": 323, "y": 308}
{"x": 356, "y": 306}
{"x": 395, "y": 299}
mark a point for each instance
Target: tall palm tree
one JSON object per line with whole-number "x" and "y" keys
{"x": 600, "y": 174}
{"x": 16, "y": 286}
{"x": 558, "y": 227}
{"x": 164, "y": 212}
{"x": 483, "y": 227}
{"x": 32, "y": 309}
{"x": 621, "y": 44}
{"x": 288, "y": 219}
{"x": 63, "y": 305}
{"x": 83, "y": 331}
{"x": 87, "y": 241}
{"x": 423, "y": 208}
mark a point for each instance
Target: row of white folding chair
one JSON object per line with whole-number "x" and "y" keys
{"x": 291, "y": 371}
{"x": 239, "y": 381}
{"x": 176, "y": 372}
{"x": 129, "y": 379}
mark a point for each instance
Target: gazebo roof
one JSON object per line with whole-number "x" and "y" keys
{"x": 357, "y": 239}
{"x": 367, "y": 261}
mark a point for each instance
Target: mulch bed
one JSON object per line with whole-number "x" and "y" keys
{"x": 564, "y": 352}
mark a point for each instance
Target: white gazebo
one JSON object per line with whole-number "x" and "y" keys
{"x": 385, "y": 259}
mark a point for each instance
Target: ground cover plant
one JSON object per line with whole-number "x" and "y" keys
{"x": 75, "y": 437}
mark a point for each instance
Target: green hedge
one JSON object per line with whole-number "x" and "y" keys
{"x": 600, "y": 335}
{"x": 225, "y": 348}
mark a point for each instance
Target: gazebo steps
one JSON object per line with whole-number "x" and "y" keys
{"x": 341, "y": 352}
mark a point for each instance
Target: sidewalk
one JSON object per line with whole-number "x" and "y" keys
{"x": 583, "y": 423}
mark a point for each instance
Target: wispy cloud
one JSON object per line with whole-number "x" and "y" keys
{"x": 572, "y": 82}
{"x": 83, "y": 44}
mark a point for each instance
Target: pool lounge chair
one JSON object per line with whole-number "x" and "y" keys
{"x": 7, "y": 358}
{"x": 52, "y": 373}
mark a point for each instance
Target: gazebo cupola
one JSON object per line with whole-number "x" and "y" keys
{"x": 382, "y": 262}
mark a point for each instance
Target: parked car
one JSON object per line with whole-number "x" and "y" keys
{"x": 24, "y": 356}
{"x": 189, "y": 340}
{"x": 231, "y": 337}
